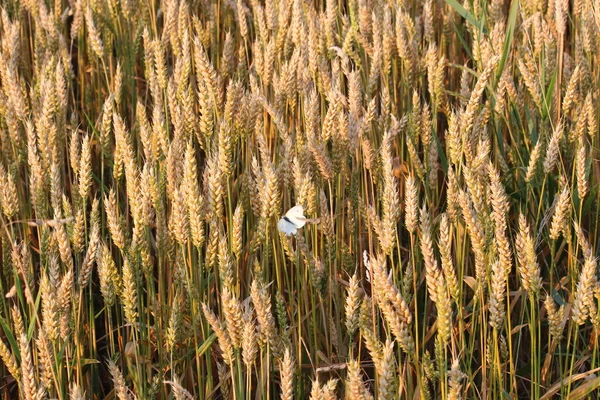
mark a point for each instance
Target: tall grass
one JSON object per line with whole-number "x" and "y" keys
{"x": 449, "y": 153}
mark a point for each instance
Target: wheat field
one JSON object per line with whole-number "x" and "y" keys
{"x": 445, "y": 155}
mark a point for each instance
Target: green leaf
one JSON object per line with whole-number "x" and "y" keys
{"x": 466, "y": 14}
{"x": 462, "y": 40}
{"x": 549, "y": 95}
{"x": 441, "y": 153}
{"x": 510, "y": 33}
{"x": 11, "y": 339}
{"x": 206, "y": 345}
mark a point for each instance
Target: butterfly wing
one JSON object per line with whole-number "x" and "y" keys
{"x": 296, "y": 216}
{"x": 286, "y": 227}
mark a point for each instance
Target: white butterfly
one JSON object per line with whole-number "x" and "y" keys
{"x": 292, "y": 221}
